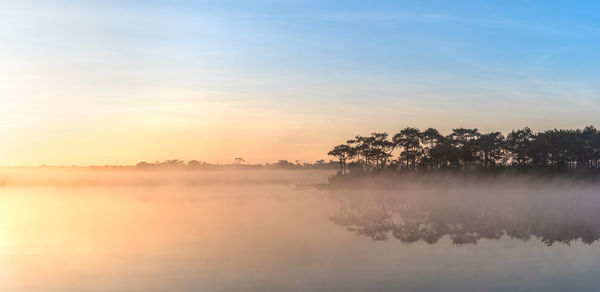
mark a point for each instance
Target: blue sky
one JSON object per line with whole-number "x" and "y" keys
{"x": 306, "y": 73}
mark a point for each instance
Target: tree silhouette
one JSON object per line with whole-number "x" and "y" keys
{"x": 464, "y": 141}
{"x": 518, "y": 143}
{"x": 468, "y": 148}
{"x": 409, "y": 141}
{"x": 381, "y": 149}
{"x": 490, "y": 148}
{"x": 342, "y": 152}
{"x": 431, "y": 139}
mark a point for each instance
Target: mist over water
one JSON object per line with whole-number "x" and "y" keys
{"x": 131, "y": 177}
{"x": 101, "y": 230}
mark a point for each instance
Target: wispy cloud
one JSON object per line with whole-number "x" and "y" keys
{"x": 556, "y": 29}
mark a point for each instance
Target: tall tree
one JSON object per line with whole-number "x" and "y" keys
{"x": 490, "y": 147}
{"x": 409, "y": 140}
{"x": 430, "y": 139}
{"x": 518, "y": 142}
{"x": 381, "y": 149}
{"x": 342, "y": 152}
{"x": 464, "y": 141}
{"x": 362, "y": 149}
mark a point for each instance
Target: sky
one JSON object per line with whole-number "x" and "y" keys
{"x": 118, "y": 82}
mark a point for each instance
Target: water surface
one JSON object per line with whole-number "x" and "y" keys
{"x": 273, "y": 236}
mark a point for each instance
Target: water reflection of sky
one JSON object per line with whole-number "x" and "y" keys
{"x": 277, "y": 238}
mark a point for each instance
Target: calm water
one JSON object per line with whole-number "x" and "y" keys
{"x": 276, "y": 237}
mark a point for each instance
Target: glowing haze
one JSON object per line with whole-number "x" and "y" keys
{"x": 117, "y": 82}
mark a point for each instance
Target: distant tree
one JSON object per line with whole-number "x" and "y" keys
{"x": 342, "y": 152}
{"x": 490, "y": 147}
{"x": 430, "y": 139}
{"x": 409, "y": 140}
{"x": 539, "y": 150}
{"x": 518, "y": 142}
{"x": 143, "y": 164}
{"x": 284, "y": 164}
{"x": 444, "y": 153}
{"x": 595, "y": 150}
{"x": 588, "y": 155}
{"x": 381, "y": 149}
{"x": 464, "y": 142}
{"x": 362, "y": 149}
{"x": 173, "y": 163}
{"x": 194, "y": 163}
{"x": 239, "y": 160}
{"x": 578, "y": 148}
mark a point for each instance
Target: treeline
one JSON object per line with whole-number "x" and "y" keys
{"x": 414, "y": 149}
{"x": 195, "y": 164}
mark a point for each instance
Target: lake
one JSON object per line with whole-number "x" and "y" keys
{"x": 269, "y": 231}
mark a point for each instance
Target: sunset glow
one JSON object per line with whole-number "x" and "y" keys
{"x": 118, "y": 82}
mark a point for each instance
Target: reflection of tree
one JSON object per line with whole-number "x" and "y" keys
{"x": 371, "y": 223}
{"x": 562, "y": 219}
